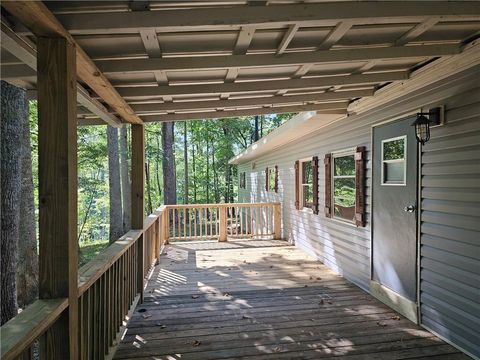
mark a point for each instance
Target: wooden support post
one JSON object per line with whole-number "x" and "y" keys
{"x": 138, "y": 188}
{"x": 277, "y": 221}
{"x": 57, "y": 138}
{"x": 166, "y": 226}
{"x": 223, "y": 224}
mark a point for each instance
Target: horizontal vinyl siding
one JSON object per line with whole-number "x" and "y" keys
{"x": 450, "y": 228}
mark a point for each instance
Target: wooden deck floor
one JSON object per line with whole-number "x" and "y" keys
{"x": 264, "y": 299}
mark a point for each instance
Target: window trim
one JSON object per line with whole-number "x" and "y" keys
{"x": 404, "y": 182}
{"x": 334, "y": 155}
{"x": 300, "y": 185}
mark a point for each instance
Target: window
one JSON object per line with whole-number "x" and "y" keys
{"x": 242, "y": 180}
{"x": 272, "y": 178}
{"x": 394, "y": 161}
{"x": 344, "y": 185}
{"x": 307, "y": 184}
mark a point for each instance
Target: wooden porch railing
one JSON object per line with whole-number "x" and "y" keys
{"x": 108, "y": 288}
{"x": 222, "y": 221}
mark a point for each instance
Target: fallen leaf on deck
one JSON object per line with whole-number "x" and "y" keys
{"x": 277, "y": 349}
{"x": 319, "y": 278}
{"x": 195, "y": 296}
{"x": 379, "y": 323}
{"x": 146, "y": 316}
{"x": 196, "y": 343}
{"x": 322, "y": 302}
{"x": 162, "y": 326}
{"x": 396, "y": 317}
{"x": 246, "y": 317}
{"x": 305, "y": 285}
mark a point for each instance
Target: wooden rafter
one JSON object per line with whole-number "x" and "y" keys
{"x": 323, "y": 14}
{"x": 28, "y": 55}
{"x": 261, "y": 60}
{"x": 261, "y": 86}
{"x": 36, "y": 16}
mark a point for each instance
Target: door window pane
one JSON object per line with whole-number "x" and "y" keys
{"x": 394, "y": 161}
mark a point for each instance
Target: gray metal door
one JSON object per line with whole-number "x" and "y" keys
{"x": 395, "y": 168}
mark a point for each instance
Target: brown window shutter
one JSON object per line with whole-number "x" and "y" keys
{"x": 315, "y": 184}
{"x": 266, "y": 179}
{"x": 328, "y": 185}
{"x": 276, "y": 178}
{"x": 297, "y": 185}
{"x": 360, "y": 186}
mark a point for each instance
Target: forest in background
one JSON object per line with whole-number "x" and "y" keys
{"x": 186, "y": 162}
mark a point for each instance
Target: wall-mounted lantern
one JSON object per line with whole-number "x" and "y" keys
{"x": 424, "y": 121}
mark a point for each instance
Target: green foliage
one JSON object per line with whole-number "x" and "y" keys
{"x": 210, "y": 144}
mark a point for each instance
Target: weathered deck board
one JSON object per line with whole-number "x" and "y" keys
{"x": 264, "y": 299}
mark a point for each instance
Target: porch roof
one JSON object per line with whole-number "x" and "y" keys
{"x": 172, "y": 60}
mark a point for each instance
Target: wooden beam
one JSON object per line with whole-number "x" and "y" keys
{"x": 335, "y": 35}
{"x": 328, "y": 108}
{"x": 57, "y": 152}
{"x": 262, "y": 101}
{"x": 320, "y": 14}
{"x": 262, "y": 60}
{"x": 260, "y": 86}
{"x": 416, "y": 31}
{"x": 138, "y": 205}
{"x": 287, "y": 38}
{"x": 28, "y": 55}
{"x": 36, "y": 16}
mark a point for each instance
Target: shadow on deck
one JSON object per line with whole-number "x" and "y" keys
{"x": 264, "y": 299}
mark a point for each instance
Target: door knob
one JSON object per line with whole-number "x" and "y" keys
{"x": 409, "y": 208}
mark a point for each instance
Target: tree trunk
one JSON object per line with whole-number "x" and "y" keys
{"x": 27, "y": 268}
{"x": 12, "y": 110}
{"x": 215, "y": 175}
{"x": 207, "y": 183}
{"x": 116, "y": 216}
{"x": 149, "y": 190}
{"x": 256, "y": 135}
{"x": 194, "y": 176}
{"x": 125, "y": 180}
{"x": 168, "y": 164}
{"x": 185, "y": 162}
{"x": 157, "y": 167}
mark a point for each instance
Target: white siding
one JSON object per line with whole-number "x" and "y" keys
{"x": 450, "y": 207}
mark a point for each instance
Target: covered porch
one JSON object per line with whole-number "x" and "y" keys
{"x": 211, "y": 281}
{"x": 264, "y": 299}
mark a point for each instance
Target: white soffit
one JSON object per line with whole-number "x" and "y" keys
{"x": 300, "y": 125}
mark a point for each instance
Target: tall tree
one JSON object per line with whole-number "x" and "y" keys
{"x": 125, "y": 180}
{"x": 116, "y": 215}
{"x": 256, "y": 133}
{"x": 185, "y": 162}
{"x": 194, "y": 175}
{"x": 168, "y": 164}
{"x": 13, "y": 111}
{"x": 27, "y": 268}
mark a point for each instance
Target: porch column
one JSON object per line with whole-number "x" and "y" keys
{"x": 57, "y": 153}
{"x": 138, "y": 188}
